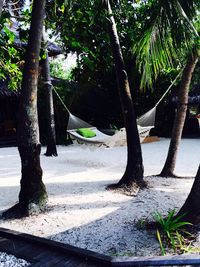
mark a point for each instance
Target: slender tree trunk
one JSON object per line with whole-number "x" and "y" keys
{"x": 50, "y": 122}
{"x": 168, "y": 169}
{"x": 132, "y": 179}
{"x": 1, "y": 6}
{"x": 191, "y": 207}
{"x": 32, "y": 196}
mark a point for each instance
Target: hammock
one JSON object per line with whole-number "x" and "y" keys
{"x": 101, "y": 139}
{"x": 145, "y": 123}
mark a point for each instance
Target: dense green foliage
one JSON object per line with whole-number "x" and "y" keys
{"x": 59, "y": 69}
{"x": 10, "y": 54}
{"x": 80, "y": 27}
{"x": 85, "y": 34}
{"x": 167, "y": 38}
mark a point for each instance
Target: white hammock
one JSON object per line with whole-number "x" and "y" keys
{"x": 145, "y": 124}
{"x": 101, "y": 139}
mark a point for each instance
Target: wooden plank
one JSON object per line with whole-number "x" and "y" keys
{"x": 45, "y": 258}
{"x": 57, "y": 246}
{"x": 9, "y": 245}
{"x": 18, "y": 249}
{"x": 66, "y": 262}
{"x": 37, "y": 253}
{"x": 41, "y": 264}
{"x": 90, "y": 265}
{"x": 23, "y": 250}
{"x": 179, "y": 260}
{"x": 44, "y": 255}
{"x": 60, "y": 261}
{"x": 69, "y": 262}
{"x": 75, "y": 263}
{"x": 29, "y": 252}
{"x": 48, "y": 253}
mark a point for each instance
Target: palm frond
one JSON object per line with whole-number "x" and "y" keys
{"x": 168, "y": 31}
{"x": 190, "y": 7}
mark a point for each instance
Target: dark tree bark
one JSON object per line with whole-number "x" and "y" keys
{"x": 169, "y": 166}
{"x": 50, "y": 122}
{"x": 191, "y": 207}
{"x": 1, "y": 7}
{"x": 32, "y": 196}
{"x": 132, "y": 179}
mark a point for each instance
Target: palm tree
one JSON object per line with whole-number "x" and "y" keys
{"x": 190, "y": 208}
{"x": 132, "y": 178}
{"x": 32, "y": 196}
{"x": 50, "y": 122}
{"x": 169, "y": 166}
{"x": 170, "y": 35}
{"x": 1, "y": 6}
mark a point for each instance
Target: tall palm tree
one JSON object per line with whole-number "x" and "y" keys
{"x": 132, "y": 178}
{"x": 32, "y": 196}
{"x": 170, "y": 35}
{"x": 50, "y": 122}
{"x": 170, "y": 163}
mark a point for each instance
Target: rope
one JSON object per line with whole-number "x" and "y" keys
{"x": 54, "y": 89}
{"x": 49, "y": 83}
{"x": 168, "y": 88}
{"x": 61, "y": 100}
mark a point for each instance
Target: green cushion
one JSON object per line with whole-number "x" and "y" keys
{"x": 86, "y": 132}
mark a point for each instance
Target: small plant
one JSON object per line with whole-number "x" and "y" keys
{"x": 141, "y": 223}
{"x": 172, "y": 232}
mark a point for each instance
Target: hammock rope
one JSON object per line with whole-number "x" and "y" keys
{"x": 147, "y": 119}
{"x": 168, "y": 89}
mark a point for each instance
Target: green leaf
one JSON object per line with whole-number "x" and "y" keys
{"x": 160, "y": 242}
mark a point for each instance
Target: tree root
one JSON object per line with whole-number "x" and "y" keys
{"x": 19, "y": 211}
{"x": 171, "y": 175}
{"x": 168, "y": 175}
{"x": 130, "y": 189}
{"x": 15, "y": 212}
{"x": 51, "y": 154}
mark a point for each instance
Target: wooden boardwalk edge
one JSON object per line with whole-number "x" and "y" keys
{"x": 90, "y": 258}
{"x": 83, "y": 254}
{"x": 176, "y": 260}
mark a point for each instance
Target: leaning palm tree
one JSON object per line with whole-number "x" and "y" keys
{"x": 170, "y": 163}
{"x": 132, "y": 178}
{"x": 32, "y": 196}
{"x": 170, "y": 35}
{"x": 191, "y": 209}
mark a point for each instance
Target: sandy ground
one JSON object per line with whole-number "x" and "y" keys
{"x": 80, "y": 211}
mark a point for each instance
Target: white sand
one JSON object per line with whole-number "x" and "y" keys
{"x": 7, "y": 260}
{"x": 82, "y": 213}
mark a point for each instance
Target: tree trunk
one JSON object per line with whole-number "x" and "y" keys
{"x": 1, "y": 6}
{"x": 50, "y": 122}
{"x": 132, "y": 179}
{"x": 191, "y": 207}
{"x": 168, "y": 169}
{"x": 32, "y": 196}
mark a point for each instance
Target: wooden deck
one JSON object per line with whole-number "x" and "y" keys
{"x": 44, "y": 252}
{"x": 41, "y": 252}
